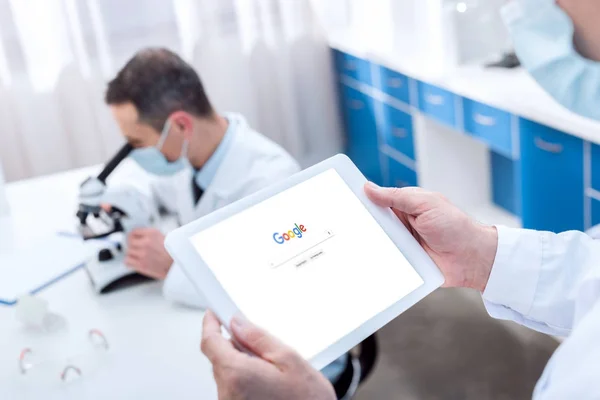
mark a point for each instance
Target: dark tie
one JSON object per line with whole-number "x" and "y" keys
{"x": 196, "y": 190}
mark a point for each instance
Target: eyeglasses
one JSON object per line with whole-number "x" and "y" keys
{"x": 43, "y": 371}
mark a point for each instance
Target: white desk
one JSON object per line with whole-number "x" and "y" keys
{"x": 155, "y": 345}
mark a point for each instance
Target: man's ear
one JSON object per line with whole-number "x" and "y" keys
{"x": 182, "y": 123}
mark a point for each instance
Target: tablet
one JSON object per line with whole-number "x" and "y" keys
{"x": 310, "y": 259}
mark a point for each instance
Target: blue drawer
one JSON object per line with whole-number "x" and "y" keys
{"x": 362, "y": 144}
{"x": 359, "y": 109}
{"x": 595, "y": 166}
{"x": 491, "y": 125}
{"x": 397, "y": 130}
{"x": 437, "y": 103}
{"x": 551, "y": 178}
{"x": 595, "y": 212}
{"x": 505, "y": 192}
{"x": 399, "y": 175}
{"x": 354, "y": 67}
{"x": 393, "y": 84}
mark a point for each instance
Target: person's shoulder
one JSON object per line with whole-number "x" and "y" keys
{"x": 264, "y": 155}
{"x": 255, "y": 162}
{"x": 260, "y": 144}
{"x": 265, "y": 172}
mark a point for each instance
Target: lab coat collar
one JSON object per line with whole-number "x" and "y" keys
{"x": 206, "y": 174}
{"x": 227, "y": 179}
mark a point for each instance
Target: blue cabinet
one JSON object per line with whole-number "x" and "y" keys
{"x": 505, "y": 190}
{"x": 489, "y": 124}
{"x": 362, "y": 144}
{"x": 552, "y": 185}
{"x": 595, "y": 183}
{"x": 353, "y": 67}
{"x": 399, "y": 175}
{"x": 595, "y": 169}
{"x": 595, "y": 211}
{"x": 537, "y": 172}
{"x": 392, "y": 83}
{"x": 397, "y": 130}
{"x": 438, "y": 103}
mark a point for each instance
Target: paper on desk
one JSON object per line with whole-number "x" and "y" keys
{"x": 30, "y": 269}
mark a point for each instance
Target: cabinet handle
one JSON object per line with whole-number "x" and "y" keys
{"x": 434, "y": 99}
{"x": 399, "y": 132}
{"x": 484, "y": 120}
{"x": 554, "y": 148}
{"x": 350, "y": 65}
{"x": 356, "y": 105}
{"x": 395, "y": 83}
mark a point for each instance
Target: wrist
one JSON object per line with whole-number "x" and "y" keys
{"x": 484, "y": 253}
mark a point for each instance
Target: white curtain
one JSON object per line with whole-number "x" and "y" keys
{"x": 267, "y": 59}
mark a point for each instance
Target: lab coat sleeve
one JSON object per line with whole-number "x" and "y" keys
{"x": 538, "y": 276}
{"x": 179, "y": 289}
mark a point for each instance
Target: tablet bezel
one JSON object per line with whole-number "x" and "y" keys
{"x": 179, "y": 245}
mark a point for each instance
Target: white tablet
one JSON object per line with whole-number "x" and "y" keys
{"x": 310, "y": 259}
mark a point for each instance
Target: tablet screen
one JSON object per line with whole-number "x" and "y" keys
{"x": 309, "y": 264}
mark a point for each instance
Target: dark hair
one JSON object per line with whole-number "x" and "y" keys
{"x": 158, "y": 82}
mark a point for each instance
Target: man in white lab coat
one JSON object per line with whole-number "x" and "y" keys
{"x": 202, "y": 160}
{"x": 548, "y": 282}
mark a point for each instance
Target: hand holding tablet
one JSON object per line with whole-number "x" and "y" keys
{"x": 285, "y": 376}
{"x": 463, "y": 249}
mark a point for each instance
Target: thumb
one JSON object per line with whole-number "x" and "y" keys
{"x": 255, "y": 339}
{"x": 409, "y": 200}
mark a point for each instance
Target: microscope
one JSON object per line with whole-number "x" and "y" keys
{"x": 106, "y": 216}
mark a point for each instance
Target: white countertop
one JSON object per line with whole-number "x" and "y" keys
{"x": 154, "y": 345}
{"x": 512, "y": 90}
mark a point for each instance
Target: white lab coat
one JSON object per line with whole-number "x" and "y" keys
{"x": 551, "y": 283}
{"x": 252, "y": 162}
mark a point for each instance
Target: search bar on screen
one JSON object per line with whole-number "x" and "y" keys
{"x": 305, "y": 253}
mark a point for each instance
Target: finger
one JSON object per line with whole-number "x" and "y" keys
{"x": 210, "y": 324}
{"x": 409, "y": 200}
{"x": 139, "y": 266}
{"x": 139, "y": 233}
{"x": 135, "y": 253}
{"x": 146, "y": 231}
{"x": 135, "y": 243}
{"x": 258, "y": 341}
{"x": 410, "y": 225}
{"x": 403, "y": 218}
{"x": 134, "y": 263}
{"x": 214, "y": 346}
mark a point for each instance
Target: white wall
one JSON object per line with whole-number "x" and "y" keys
{"x": 3, "y": 201}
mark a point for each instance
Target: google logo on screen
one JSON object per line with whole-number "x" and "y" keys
{"x": 296, "y": 232}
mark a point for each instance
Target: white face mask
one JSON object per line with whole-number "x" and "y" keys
{"x": 153, "y": 161}
{"x": 543, "y": 38}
